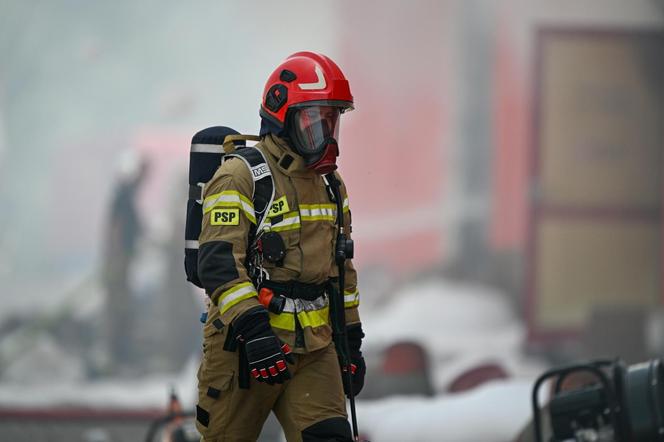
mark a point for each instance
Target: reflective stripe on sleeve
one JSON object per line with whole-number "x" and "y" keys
{"x": 351, "y": 299}
{"x": 317, "y": 212}
{"x": 346, "y": 205}
{"x": 234, "y": 295}
{"x": 230, "y": 198}
{"x": 291, "y": 221}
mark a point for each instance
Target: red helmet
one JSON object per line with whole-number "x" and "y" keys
{"x": 304, "y": 77}
{"x": 306, "y": 95}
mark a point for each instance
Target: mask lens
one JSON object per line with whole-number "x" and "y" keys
{"x": 313, "y": 125}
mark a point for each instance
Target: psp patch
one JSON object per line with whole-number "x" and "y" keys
{"x": 279, "y": 206}
{"x": 225, "y": 217}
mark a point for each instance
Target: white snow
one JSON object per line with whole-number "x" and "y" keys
{"x": 134, "y": 394}
{"x": 494, "y": 412}
{"x": 460, "y": 325}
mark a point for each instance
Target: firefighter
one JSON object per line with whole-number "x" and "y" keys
{"x": 122, "y": 237}
{"x": 270, "y": 297}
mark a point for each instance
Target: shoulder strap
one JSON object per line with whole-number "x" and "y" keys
{"x": 263, "y": 195}
{"x": 230, "y": 141}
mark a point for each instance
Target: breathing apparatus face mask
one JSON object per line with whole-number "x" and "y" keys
{"x": 313, "y": 131}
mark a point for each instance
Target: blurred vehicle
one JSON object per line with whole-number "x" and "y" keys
{"x": 600, "y": 401}
{"x": 403, "y": 370}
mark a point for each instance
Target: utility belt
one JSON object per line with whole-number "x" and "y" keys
{"x": 273, "y": 295}
{"x": 295, "y": 289}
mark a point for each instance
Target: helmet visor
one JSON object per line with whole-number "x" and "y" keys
{"x": 313, "y": 126}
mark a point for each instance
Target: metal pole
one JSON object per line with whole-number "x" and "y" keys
{"x": 340, "y": 258}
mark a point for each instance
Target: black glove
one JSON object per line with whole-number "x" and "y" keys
{"x": 357, "y": 366}
{"x": 264, "y": 353}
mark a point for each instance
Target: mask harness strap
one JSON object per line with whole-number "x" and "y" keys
{"x": 343, "y": 251}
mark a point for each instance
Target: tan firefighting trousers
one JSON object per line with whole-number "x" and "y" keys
{"x": 227, "y": 413}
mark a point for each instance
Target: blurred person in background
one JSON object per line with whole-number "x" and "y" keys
{"x": 123, "y": 231}
{"x": 286, "y": 358}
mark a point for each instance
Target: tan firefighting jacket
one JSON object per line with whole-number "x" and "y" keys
{"x": 303, "y": 215}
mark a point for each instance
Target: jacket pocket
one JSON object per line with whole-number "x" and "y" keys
{"x": 288, "y": 227}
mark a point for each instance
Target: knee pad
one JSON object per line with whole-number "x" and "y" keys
{"x": 335, "y": 429}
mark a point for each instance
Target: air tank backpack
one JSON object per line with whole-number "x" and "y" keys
{"x": 209, "y": 148}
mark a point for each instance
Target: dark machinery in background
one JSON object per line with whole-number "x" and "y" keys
{"x": 612, "y": 403}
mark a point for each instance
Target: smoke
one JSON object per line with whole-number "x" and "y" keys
{"x": 3, "y": 130}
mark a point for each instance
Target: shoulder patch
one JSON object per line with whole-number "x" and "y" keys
{"x": 279, "y": 207}
{"x": 260, "y": 171}
{"x": 225, "y": 217}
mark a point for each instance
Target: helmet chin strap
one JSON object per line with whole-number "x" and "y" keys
{"x": 327, "y": 162}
